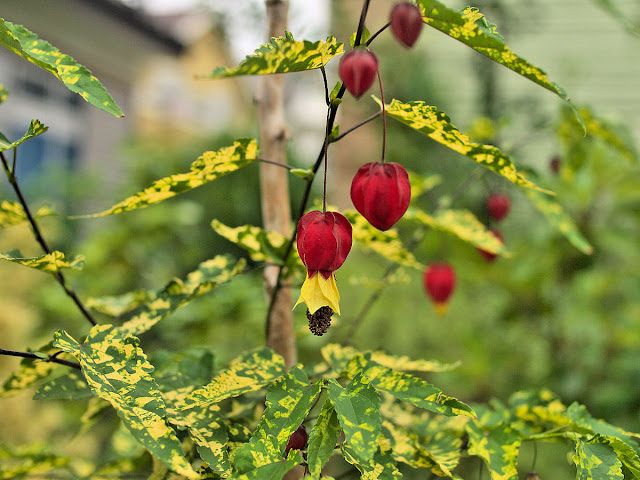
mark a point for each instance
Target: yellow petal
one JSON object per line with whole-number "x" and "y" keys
{"x": 319, "y": 292}
{"x": 441, "y": 307}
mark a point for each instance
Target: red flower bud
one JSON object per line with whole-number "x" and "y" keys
{"x": 406, "y": 23}
{"x": 439, "y": 282}
{"x": 297, "y": 440}
{"x": 490, "y": 257}
{"x": 381, "y": 193}
{"x": 498, "y": 206}
{"x": 358, "y": 70}
{"x": 324, "y": 241}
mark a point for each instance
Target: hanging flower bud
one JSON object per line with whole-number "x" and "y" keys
{"x": 490, "y": 257}
{"x": 324, "y": 241}
{"x": 406, "y": 23}
{"x": 498, "y": 206}
{"x": 381, "y": 193}
{"x": 439, "y": 283}
{"x": 358, "y": 70}
{"x": 297, "y": 440}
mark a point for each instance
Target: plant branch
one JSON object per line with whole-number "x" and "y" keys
{"x": 377, "y": 33}
{"x": 42, "y": 356}
{"x": 11, "y": 175}
{"x": 360, "y": 124}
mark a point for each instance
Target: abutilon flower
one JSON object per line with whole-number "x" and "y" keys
{"x": 324, "y": 241}
{"x": 498, "y": 206}
{"x": 381, "y": 192}
{"x": 297, "y": 440}
{"x": 488, "y": 256}
{"x": 439, "y": 283}
{"x": 406, "y": 23}
{"x": 358, "y": 70}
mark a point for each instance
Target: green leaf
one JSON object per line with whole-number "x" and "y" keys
{"x": 358, "y": 410}
{"x": 274, "y": 470}
{"x": 406, "y": 387}
{"x": 464, "y": 225}
{"x": 363, "y": 39}
{"x": 208, "y": 167}
{"x": 596, "y": 460}
{"x": 4, "y": 93}
{"x": 35, "y": 128}
{"x": 71, "y": 386}
{"x": 12, "y": 213}
{"x": 246, "y": 373}
{"x": 31, "y": 370}
{"x": 31, "y": 461}
{"x": 435, "y": 124}
{"x": 323, "y": 439}
{"x": 283, "y": 55}
{"x": 50, "y": 263}
{"x": 498, "y": 447}
{"x": 177, "y": 293}
{"x": 41, "y": 53}
{"x": 386, "y": 244}
{"x": 471, "y": 28}
{"x": 288, "y": 403}
{"x": 380, "y": 467}
{"x": 117, "y": 370}
{"x": 305, "y": 174}
{"x": 559, "y": 219}
{"x": 583, "y": 419}
{"x": 260, "y": 244}
{"x": 421, "y": 184}
{"x": 338, "y": 357}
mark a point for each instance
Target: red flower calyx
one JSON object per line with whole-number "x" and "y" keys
{"x": 439, "y": 283}
{"x": 324, "y": 241}
{"x": 358, "y": 70}
{"x": 381, "y": 193}
{"x": 490, "y": 257}
{"x": 406, "y": 23}
{"x": 297, "y": 440}
{"x": 498, "y": 206}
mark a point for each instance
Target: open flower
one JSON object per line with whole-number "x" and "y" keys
{"x": 324, "y": 241}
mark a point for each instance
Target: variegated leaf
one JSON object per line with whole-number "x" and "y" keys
{"x": 470, "y": 27}
{"x": 50, "y": 263}
{"x": 12, "y": 213}
{"x": 75, "y": 77}
{"x": 71, "y": 386}
{"x": 498, "y": 447}
{"x": 288, "y": 403}
{"x": 381, "y": 467}
{"x": 358, "y": 410}
{"x": 421, "y": 184}
{"x": 177, "y": 293}
{"x": 596, "y": 460}
{"x": 3, "y": 93}
{"x": 338, "y": 356}
{"x": 583, "y": 419}
{"x": 208, "y": 167}
{"x": 435, "y": 124}
{"x": 120, "y": 305}
{"x": 261, "y": 245}
{"x": 406, "y": 387}
{"x": 464, "y": 225}
{"x": 282, "y": 55}
{"x": 35, "y": 128}
{"x": 118, "y": 371}
{"x": 30, "y": 462}
{"x": 246, "y": 373}
{"x": 323, "y": 440}
{"x": 386, "y": 244}
{"x": 273, "y": 469}
{"x": 559, "y": 219}
{"x": 31, "y": 370}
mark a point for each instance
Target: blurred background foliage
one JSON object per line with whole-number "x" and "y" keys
{"x": 548, "y": 316}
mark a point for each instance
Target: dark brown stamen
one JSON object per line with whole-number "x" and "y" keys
{"x": 320, "y": 321}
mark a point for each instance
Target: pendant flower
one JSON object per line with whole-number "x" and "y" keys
{"x": 324, "y": 241}
{"x": 439, "y": 283}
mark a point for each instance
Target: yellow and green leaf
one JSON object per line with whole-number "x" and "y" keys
{"x": 74, "y": 76}
{"x": 421, "y": 184}
{"x": 284, "y": 55}
{"x": 463, "y": 224}
{"x": 247, "y": 373}
{"x": 381, "y": 466}
{"x": 594, "y": 459}
{"x": 177, "y": 293}
{"x": 261, "y": 460}
{"x": 50, "y": 263}
{"x": 12, "y": 213}
{"x": 208, "y": 167}
{"x": 118, "y": 371}
{"x": 358, "y": 409}
{"x": 558, "y": 218}
{"x": 323, "y": 440}
{"x": 35, "y": 128}
{"x": 498, "y": 446}
{"x": 429, "y": 121}
{"x": 29, "y": 462}
{"x": 386, "y": 244}
{"x": 70, "y": 386}
{"x": 31, "y": 370}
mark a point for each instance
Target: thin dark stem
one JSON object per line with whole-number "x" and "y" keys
{"x": 49, "y": 358}
{"x": 384, "y": 119}
{"x": 363, "y": 122}
{"x": 11, "y": 174}
{"x": 377, "y": 33}
{"x": 326, "y": 162}
{"x": 278, "y": 164}
{"x": 326, "y": 86}
{"x": 363, "y": 16}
